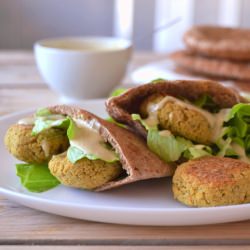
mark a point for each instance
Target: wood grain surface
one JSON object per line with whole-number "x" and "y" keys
{"x": 123, "y": 247}
{"x": 21, "y": 87}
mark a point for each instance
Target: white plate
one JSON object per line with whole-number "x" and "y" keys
{"x": 162, "y": 69}
{"x": 144, "y": 203}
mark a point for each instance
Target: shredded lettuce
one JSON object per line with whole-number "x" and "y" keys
{"x": 71, "y": 129}
{"x": 237, "y": 126}
{"x": 206, "y": 102}
{"x": 196, "y": 151}
{"x": 43, "y": 112}
{"x": 137, "y": 117}
{"x": 110, "y": 119}
{"x": 43, "y": 123}
{"x": 75, "y": 153}
{"x": 36, "y": 177}
{"x": 118, "y": 92}
{"x": 236, "y": 129}
{"x": 171, "y": 148}
{"x": 44, "y": 119}
{"x": 168, "y": 147}
{"x": 157, "y": 80}
{"x": 224, "y": 146}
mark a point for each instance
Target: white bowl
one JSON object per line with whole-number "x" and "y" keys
{"x": 83, "y": 67}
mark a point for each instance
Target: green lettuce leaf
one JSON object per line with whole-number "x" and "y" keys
{"x": 197, "y": 151}
{"x": 118, "y": 92}
{"x": 237, "y": 125}
{"x": 168, "y": 147}
{"x": 36, "y": 177}
{"x": 110, "y": 119}
{"x": 42, "y": 123}
{"x": 206, "y": 102}
{"x": 157, "y": 80}
{"x": 71, "y": 129}
{"x": 225, "y": 148}
{"x": 75, "y": 154}
{"x": 43, "y": 112}
{"x": 137, "y": 117}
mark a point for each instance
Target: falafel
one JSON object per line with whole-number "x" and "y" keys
{"x": 35, "y": 148}
{"x": 212, "y": 181}
{"x": 179, "y": 119}
{"x": 186, "y": 122}
{"x": 85, "y": 173}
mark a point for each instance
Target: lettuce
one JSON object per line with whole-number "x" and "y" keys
{"x": 196, "y": 151}
{"x": 137, "y": 117}
{"x": 44, "y": 119}
{"x": 76, "y": 153}
{"x": 224, "y": 146}
{"x": 118, "y": 92}
{"x": 168, "y": 147}
{"x": 237, "y": 126}
{"x": 43, "y": 123}
{"x": 110, "y": 119}
{"x": 236, "y": 129}
{"x": 206, "y": 102}
{"x": 43, "y": 112}
{"x": 157, "y": 80}
{"x": 36, "y": 177}
{"x": 171, "y": 148}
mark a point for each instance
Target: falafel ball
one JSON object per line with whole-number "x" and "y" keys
{"x": 179, "y": 119}
{"x": 212, "y": 181}
{"x": 85, "y": 173}
{"x": 186, "y": 122}
{"x": 35, "y": 148}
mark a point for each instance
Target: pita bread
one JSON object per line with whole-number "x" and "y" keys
{"x": 136, "y": 159}
{"x": 211, "y": 66}
{"x": 219, "y": 42}
{"x": 121, "y": 107}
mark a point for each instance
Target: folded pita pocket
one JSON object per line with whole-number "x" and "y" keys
{"x": 138, "y": 162}
{"x": 121, "y": 107}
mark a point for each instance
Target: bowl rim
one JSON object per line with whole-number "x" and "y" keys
{"x": 126, "y": 44}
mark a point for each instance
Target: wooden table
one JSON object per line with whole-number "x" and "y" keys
{"x": 22, "y": 228}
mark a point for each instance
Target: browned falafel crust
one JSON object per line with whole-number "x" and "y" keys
{"x": 85, "y": 173}
{"x": 212, "y": 181}
{"x": 35, "y": 148}
{"x": 219, "y": 42}
{"x": 185, "y": 122}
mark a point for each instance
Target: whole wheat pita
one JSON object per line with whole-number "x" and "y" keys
{"x": 219, "y": 42}
{"x": 136, "y": 159}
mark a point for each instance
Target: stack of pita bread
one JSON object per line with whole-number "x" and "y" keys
{"x": 214, "y": 51}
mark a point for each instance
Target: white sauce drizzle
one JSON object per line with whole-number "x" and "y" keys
{"x": 215, "y": 120}
{"x": 27, "y": 121}
{"x": 31, "y": 119}
{"x": 87, "y": 138}
{"x": 45, "y": 147}
{"x": 240, "y": 151}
